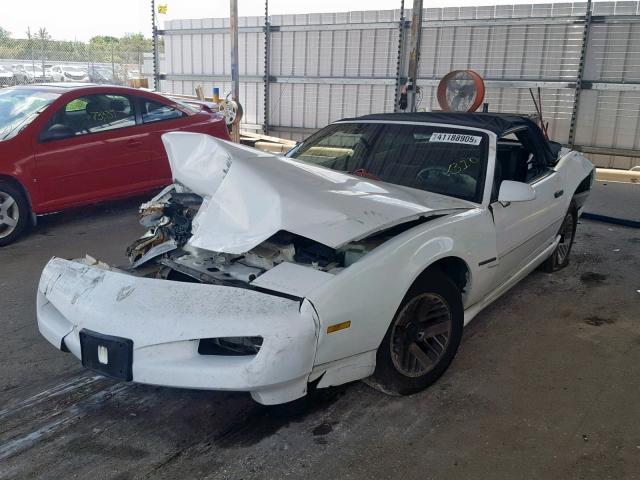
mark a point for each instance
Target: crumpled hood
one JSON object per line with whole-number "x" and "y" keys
{"x": 250, "y": 195}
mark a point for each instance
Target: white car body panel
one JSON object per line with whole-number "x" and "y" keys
{"x": 248, "y": 196}
{"x": 292, "y": 279}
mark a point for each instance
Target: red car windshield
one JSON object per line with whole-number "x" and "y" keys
{"x": 19, "y": 107}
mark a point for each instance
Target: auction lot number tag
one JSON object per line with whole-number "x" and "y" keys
{"x": 455, "y": 138}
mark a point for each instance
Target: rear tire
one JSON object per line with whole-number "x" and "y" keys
{"x": 14, "y": 213}
{"x": 560, "y": 256}
{"x": 423, "y": 337}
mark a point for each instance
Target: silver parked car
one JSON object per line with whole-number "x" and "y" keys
{"x": 7, "y": 77}
{"x": 69, "y": 73}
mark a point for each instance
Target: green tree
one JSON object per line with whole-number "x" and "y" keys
{"x": 5, "y": 35}
{"x": 43, "y": 38}
{"x": 133, "y": 46}
{"x": 101, "y": 40}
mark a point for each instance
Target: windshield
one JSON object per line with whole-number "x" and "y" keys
{"x": 444, "y": 160}
{"x": 18, "y": 108}
{"x": 73, "y": 69}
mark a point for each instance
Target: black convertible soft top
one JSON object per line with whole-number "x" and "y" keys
{"x": 498, "y": 123}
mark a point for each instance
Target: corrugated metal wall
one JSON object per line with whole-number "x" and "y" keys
{"x": 511, "y": 56}
{"x": 331, "y": 66}
{"x": 197, "y": 53}
{"x": 609, "y": 114}
{"x": 323, "y": 67}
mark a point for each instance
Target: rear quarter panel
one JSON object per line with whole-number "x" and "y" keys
{"x": 573, "y": 169}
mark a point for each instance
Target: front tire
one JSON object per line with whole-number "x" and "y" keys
{"x": 14, "y": 213}
{"x": 560, "y": 256}
{"x": 423, "y": 337}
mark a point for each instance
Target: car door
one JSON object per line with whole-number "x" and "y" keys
{"x": 524, "y": 229}
{"x": 92, "y": 149}
{"x": 158, "y": 118}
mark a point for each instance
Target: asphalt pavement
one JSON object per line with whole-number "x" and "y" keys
{"x": 546, "y": 384}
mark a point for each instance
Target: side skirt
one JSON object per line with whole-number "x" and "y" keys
{"x": 476, "y": 308}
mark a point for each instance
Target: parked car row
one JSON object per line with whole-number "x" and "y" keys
{"x": 21, "y": 74}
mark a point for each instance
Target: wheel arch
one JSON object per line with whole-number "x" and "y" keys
{"x": 19, "y": 185}
{"x": 454, "y": 267}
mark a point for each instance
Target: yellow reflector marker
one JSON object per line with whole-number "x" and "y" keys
{"x": 338, "y": 326}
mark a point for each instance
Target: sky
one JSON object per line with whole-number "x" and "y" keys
{"x": 82, "y": 19}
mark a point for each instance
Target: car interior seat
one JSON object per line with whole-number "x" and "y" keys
{"x": 118, "y": 107}
{"x": 92, "y": 111}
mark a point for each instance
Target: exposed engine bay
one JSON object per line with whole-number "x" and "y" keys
{"x": 165, "y": 253}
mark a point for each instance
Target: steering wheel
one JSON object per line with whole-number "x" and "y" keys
{"x": 439, "y": 176}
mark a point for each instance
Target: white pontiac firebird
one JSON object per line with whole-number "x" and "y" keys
{"x": 362, "y": 254}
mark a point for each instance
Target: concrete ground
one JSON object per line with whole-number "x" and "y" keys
{"x": 546, "y": 385}
{"x": 617, "y": 200}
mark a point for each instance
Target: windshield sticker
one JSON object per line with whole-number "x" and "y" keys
{"x": 103, "y": 116}
{"x": 455, "y": 138}
{"x": 460, "y": 166}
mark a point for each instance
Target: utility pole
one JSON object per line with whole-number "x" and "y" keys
{"x": 414, "y": 54}
{"x": 235, "y": 88}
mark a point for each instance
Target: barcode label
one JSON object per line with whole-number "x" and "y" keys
{"x": 455, "y": 138}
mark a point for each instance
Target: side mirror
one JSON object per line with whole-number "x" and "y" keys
{"x": 511, "y": 191}
{"x": 56, "y": 132}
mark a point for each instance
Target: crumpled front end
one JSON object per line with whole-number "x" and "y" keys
{"x": 188, "y": 335}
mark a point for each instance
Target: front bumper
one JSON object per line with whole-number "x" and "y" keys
{"x": 165, "y": 320}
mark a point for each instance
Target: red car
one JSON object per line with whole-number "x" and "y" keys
{"x": 67, "y": 145}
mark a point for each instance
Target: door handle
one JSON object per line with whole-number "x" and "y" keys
{"x": 558, "y": 193}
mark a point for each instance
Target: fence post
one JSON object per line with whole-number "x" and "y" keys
{"x": 414, "y": 54}
{"x": 267, "y": 54}
{"x": 156, "y": 59}
{"x": 235, "y": 79}
{"x": 580, "y": 77}
{"x": 400, "y": 59}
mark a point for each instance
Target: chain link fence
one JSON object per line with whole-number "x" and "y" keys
{"x": 39, "y": 58}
